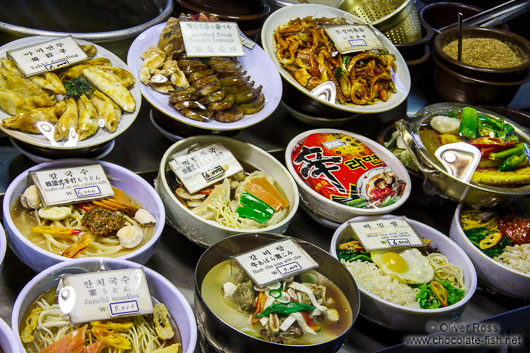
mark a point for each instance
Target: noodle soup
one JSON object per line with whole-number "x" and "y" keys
{"x": 46, "y": 329}
{"x": 110, "y": 227}
{"x": 323, "y": 311}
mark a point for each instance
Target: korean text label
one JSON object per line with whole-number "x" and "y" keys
{"x": 353, "y": 38}
{"x": 106, "y": 294}
{"x": 47, "y": 56}
{"x": 205, "y": 167}
{"x": 72, "y": 184}
{"x": 205, "y": 39}
{"x": 275, "y": 262}
{"x": 386, "y": 234}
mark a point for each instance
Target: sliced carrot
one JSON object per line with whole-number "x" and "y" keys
{"x": 94, "y": 347}
{"x": 264, "y": 183}
{"x": 71, "y": 343}
{"x": 260, "y": 306}
{"x": 263, "y": 195}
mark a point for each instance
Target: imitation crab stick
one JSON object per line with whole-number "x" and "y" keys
{"x": 266, "y": 193}
{"x": 94, "y": 347}
{"x": 71, "y": 343}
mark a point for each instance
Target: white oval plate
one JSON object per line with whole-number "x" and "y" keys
{"x": 284, "y": 15}
{"x": 256, "y": 63}
{"x": 102, "y": 135}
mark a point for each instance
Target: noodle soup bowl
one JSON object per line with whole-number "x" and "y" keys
{"x": 324, "y": 208}
{"x": 495, "y": 275}
{"x": 161, "y": 289}
{"x": 8, "y": 342}
{"x": 225, "y": 338}
{"x": 405, "y": 319}
{"x": 204, "y": 232}
{"x": 38, "y": 258}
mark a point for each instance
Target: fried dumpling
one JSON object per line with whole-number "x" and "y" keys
{"x": 88, "y": 118}
{"x": 122, "y": 75}
{"x": 33, "y": 120}
{"x": 16, "y": 103}
{"x": 111, "y": 87}
{"x": 107, "y": 110}
{"x": 10, "y": 81}
{"x": 68, "y": 122}
{"x": 77, "y": 70}
{"x": 48, "y": 80}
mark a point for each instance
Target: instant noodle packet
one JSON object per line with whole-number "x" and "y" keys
{"x": 345, "y": 170}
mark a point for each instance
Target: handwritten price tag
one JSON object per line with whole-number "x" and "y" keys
{"x": 47, "y": 56}
{"x": 353, "y": 38}
{"x": 105, "y": 294}
{"x": 275, "y": 262}
{"x": 72, "y": 184}
{"x": 385, "y": 234}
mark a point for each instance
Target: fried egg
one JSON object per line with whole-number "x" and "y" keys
{"x": 408, "y": 265}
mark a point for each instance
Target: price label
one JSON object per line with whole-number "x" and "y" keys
{"x": 47, "y": 56}
{"x": 350, "y": 38}
{"x": 72, "y": 184}
{"x": 205, "y": 167}
{"x": 275, "y": 262}
{"x": 204, "y": 39}
{"x": 247, "y": 43}
{"x": 104, "y": 295}
{"x": 386, "y": 234}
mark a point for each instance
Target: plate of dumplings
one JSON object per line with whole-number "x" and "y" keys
{"x": 82, "y": 105}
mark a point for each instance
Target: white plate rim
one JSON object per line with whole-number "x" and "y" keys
{"x": 283, "y": 15}
{"x": 39, "y": 140}
{"x": 272, "y": 99}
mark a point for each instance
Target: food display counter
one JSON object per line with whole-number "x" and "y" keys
{"x": 141, "y": 147}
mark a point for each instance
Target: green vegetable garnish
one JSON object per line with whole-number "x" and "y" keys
{"x": 359, "y": 203}
{"x": 428, "y": 300}
{"x": 76, "y": 87}
{"x": 469, "y": 123}
{"x": 507, "y": 153}
{"x": 512, "y": 161}
{"x": 249, "y": 212}
{"x": 476, "y": 235}
{"x": 249, "y": 200}
{"x": 288, "y": 308}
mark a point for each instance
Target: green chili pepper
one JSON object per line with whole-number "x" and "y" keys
{"x": 469, "y": 123}
{"x": 249, "y": 200}
{"x": 338, "y": 72}
{"x": 359, "y": 203}
{"x": 252, "y": 213}
{"x": 288, "y": 308}
{"x": 453, "y": 114}
{"x": 507, "y": 153}
{"x": 498, "y": 124}
{"x": 511, "y": 138}
{"x": 512, "y": 161}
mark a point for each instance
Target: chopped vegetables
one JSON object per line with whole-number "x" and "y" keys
{"x": 289, "y": 308}
{"x": 430, "y": 300}
{"x": 77, "y": 86}
{"x": 478, "y": 235}
{"x": 440, "y": 292}
{"x": 469, "y": 122}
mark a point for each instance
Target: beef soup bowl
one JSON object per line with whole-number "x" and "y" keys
{"x": 162, "y": 291}
{"x": 214, "y": 324}
{"x": 8, "y": 343}
{"x": 400, "y": 317}
{"x": 35, "y": 249}
{"x": 200, "y": 227}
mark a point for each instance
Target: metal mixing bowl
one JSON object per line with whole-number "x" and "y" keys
{"x": 227, "y": 339}
{"x": 445, "y": 184}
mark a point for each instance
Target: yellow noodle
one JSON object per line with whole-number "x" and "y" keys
{"x": 446, "y": 271}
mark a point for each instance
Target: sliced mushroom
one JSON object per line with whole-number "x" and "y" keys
{"x": 274, "y": 323}
{"x": 181, "y": 192}
{"x": 30, "y": 198}
{"x": 55, "y": 213}
{"x": 143, "y": 217}
{"x": 228, "y": 289}
{"x": 130, "y": 236}
{"x": 194, "y": 203}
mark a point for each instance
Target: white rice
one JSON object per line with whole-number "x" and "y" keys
{"x": 373, "y": 280}
{"x": 516, "y": 257}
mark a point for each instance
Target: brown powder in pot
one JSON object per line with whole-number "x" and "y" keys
{"x": 485, "y": 52}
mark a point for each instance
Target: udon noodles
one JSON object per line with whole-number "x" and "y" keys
{"x": 45, "y": 329}
{"x": 110, "y": 227}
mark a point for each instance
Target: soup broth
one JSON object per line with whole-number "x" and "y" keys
{"x": 53, "y": 325}
{"x": 26, "y": 221}
{"x": 229, "y": 312}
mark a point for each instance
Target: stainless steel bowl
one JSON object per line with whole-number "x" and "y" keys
{"x": 444, "y": 184}
{"x": 117, "y": 41}
{"x": 227, "y": 339}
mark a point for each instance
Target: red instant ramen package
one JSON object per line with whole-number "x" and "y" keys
{"x": 345, "y": 170}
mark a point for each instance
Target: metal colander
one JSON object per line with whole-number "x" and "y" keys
{"x": 397, "y": 19}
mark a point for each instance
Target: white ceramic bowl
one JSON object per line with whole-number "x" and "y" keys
{"x": 8, "y": 341}
{"x": 39, "y": 259}
{"x": 331, "y": 210}
{"x": 256, "y": 63}
{"x": 161, "y": 289}
{"x": 206, "y": 233}
{"x": 499, "y": 277}
{"x": 284, "y": 15}
{"x": 405, "y": 319}
{"x": 102, "y": 135}
{"x": 3, "y": 245}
